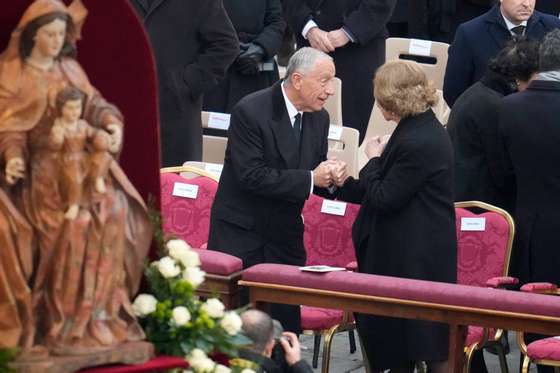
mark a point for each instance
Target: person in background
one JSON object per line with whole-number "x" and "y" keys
{"x": 480, "y": 39}
{"x": 473, "y": 126}
{"x": 194, "y": 43}
{"x": 274, "y": 350}
{"x": 406, "y": 195}
{"x": 353, "y": 33}
{"x": 260, "y": 28}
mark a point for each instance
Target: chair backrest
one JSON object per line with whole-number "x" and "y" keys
{"x": 484, "y": 240}
{"x": 213, "y": 168}
{"x": 397, "y": 48}
{"x": 345, "y": 148}
{"x": 213, "y": 147}
{"x": 333, "y": 105}
{"x": 378, "y": 126}
{"x": 328, "y": 238}
{"x": 186, "y": 203}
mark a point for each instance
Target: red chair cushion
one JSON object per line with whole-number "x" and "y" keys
{"x": 475, "y": 334}
{"x": 218, "y": 263}
{"x": 315, "y": 318}
{"x": 545, "y": 349}
{"x": 187, "y": 218}
{"x": 536, "y": 287}
{"x": 481, "y": 255}
{"x": 328, "y": 238}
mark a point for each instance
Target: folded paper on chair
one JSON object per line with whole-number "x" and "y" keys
{"x": 321, "y": 269}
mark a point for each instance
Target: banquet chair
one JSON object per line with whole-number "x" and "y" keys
{"x": 402, "y": 48}
{"x": 328, "y": 241}
{"x": 333, "y": 105}
{"x": 483, "y": 255}
{"x": 189, "y": 219}
{"x": 346, "y": 149}
{"x": 543, "y": 351}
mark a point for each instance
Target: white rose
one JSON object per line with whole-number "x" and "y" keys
{"x": 144, "y": 304}
{"x": 247, "y": 370}
{"x": 222, "y": 369}
{"x": 194, "y": 275}
{"x": 181, "y": 315}
{"x": 197, "y": 353}
{"x": 168, "y": 267}
{"x": 231, "y": 322}
{"x": 190, "y": 259}
{"x": 177, "y": 248}
{"x": 200, "y": 362}
{"x": 214, "y": 308}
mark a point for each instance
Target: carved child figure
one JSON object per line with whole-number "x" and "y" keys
{"x": 70, "y": 134}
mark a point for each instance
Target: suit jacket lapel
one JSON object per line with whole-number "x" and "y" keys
{"x": 282, "y": 128}
{"x": 155, "y": 5}
{"x": 143, "y": 5}
{"x": 497, "y": 27}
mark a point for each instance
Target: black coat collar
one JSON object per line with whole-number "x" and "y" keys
{"x": 282, "y": 128}
{"x": 148, "y": 10}
{"x": 544, "y": 85}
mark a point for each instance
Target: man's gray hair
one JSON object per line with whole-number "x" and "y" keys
{"x": 258, "y": 327}
{"x": 303, "y": 61}
{"x": 549, "y": 52}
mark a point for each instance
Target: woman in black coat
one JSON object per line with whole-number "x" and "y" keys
{"x": 260, "y": 29}
{"x": 406, "y": 224}
{"x": 473, "y": 126}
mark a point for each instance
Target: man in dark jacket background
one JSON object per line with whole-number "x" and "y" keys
{"x": 354, "y": 33}
{"x": 480, "y": 39}
{"x": 260, "y": 28}
{"x": 193, "y": 43}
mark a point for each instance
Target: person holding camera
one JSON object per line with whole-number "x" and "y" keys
{"x": 274, "y": 350}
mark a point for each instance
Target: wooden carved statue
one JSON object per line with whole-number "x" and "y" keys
{"x": 74, "y": 232}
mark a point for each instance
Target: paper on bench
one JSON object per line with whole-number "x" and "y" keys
{"x": 321, "y": 269}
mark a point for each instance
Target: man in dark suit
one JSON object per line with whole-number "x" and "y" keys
{"x": 480, "y": 39}
{"x": 276, "y": 137}
{"x": 354, "y": 33}
{"x": 549, "y": 6}
{"x": 193, "y": 43}
{"x": 528, "y": 123}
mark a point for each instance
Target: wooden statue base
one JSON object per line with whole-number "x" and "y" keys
{"x": 127, "y": 353}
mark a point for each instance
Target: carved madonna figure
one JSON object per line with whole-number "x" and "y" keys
{"x": 81, "y": 268}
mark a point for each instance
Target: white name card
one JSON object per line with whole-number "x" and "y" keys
{"x": 335, "y": 132}
{"x": 219, "y": 121}
{"x": 333, "y": 207}
{"x": 473, "y": 224}
{"x": 214, "y": 168}
{"x": 185, "y": 190}
{"x": 557, "y": 337}
{"x": 419, "y": 47}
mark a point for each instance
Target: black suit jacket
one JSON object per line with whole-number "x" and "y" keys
{"x": 480, "y": 39}
{"x": 530, "y": 130}
{"x": 266, "y": 180}
{"x": 357, "y": 62}
{"x": 193, "y": 43}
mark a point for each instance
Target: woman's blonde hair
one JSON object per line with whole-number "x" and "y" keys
{"x": 401, "y": 87}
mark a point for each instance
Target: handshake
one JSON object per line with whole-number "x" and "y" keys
{"x": 330, "y": 172}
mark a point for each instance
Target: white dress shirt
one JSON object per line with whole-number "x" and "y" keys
{"x": 510, "y": 25}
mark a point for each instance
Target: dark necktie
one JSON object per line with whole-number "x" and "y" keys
{"x": 297, "y": 128}
{"x": 518, "y": 30}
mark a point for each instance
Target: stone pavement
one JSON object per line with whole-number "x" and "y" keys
{"x": 344, "y": 362}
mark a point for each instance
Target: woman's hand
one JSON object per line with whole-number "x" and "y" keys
{"x": 375, "y": 146}
{"x": 15, "y": 170}
{"x": 115, "y": 131}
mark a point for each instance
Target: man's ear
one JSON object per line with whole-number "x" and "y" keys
{"x": 296, "y": 80}
{"x": 268, "y": 348}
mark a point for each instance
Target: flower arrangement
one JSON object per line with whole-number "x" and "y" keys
{"x": 177, "y": 322}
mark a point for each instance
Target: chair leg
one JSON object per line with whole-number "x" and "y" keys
{"x": 327, "y": 348}
{"x": 316, "y": 347}
{"x": 352, "y": 341}
{"x": 502, "y": 356}
{"x": 526, "y": 363}
{"x": 468, "y": 357}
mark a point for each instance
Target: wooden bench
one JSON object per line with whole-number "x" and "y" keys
{"x": 456, "y": 305}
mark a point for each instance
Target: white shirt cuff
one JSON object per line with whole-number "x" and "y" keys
{"x": 311, "y": 190}
{"x": 308, "y": 26}
{"x": 348, "y": 34}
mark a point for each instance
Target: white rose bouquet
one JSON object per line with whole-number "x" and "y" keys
{"x": 176, "y": 321}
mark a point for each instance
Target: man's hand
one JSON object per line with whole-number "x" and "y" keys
{"x": 339, "y": 173}
{"x": 292, "y": 349}
{"x": 375, "y": 146}
{"x": 15, "y": 170}
{"x": 319, "y": 39}
{"x": 322, "y": 176}
{"x": 338, "y": 38}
